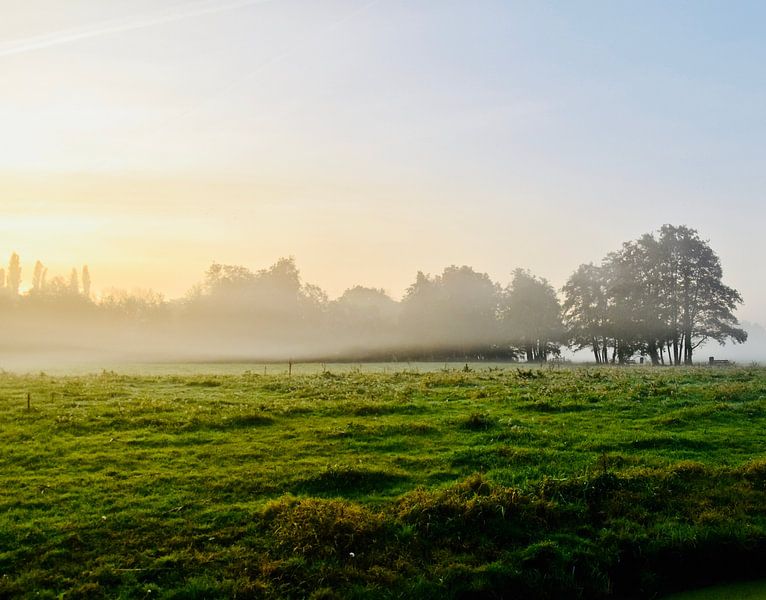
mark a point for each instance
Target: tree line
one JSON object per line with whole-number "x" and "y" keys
{"x": 78, "y": 283}
{"x": 659, "y": 296}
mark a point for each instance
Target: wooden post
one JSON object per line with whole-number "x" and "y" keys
{"x": 290, "y": 367}
{"x": 29, "y": 401}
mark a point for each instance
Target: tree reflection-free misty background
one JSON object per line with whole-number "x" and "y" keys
{"x": 372, "y": 140}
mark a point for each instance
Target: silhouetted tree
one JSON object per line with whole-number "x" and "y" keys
{"x": 270, "y": 304}
{"x": 585, "y": 310}
{"x": 364, "y": 314}
{"x": 700, "y": 306}
{"x": 58, "y": 286}
{"x": 660, "y": 293}
{"x": 452, "y": 314}
{"x": 138, "y": 305}
{"x": 86, "y": 281}
{"x": 532, "y": 316}
{"x": 224, "y": 279}
{"x": 14, "y": 274}
{"x": 625, "y": 312}
{"x": 37, "y": 277}
{"x": 74, "y": 282}
{"x": 365, "y": 304}
{"x": 637, "y": 314}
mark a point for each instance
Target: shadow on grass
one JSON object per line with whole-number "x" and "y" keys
{"x": 344, "y": 480}
{"x": 379, "y": 409}
{"x": 670, "y": 443}
{"x": 207, "y": 383}
{"x": 242, "y": 421}
{"x": 492, "y": 458}
{"x": 549, "y": 407}
{"x": 478, "y": 422}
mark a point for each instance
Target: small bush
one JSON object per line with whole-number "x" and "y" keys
{"x": 755, "y": 472}
{"x": 323, "y": 528}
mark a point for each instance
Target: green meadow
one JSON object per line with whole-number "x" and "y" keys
{"x": 483, "y": 482}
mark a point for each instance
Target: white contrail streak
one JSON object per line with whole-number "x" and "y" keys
{"x": 196, "y": 9}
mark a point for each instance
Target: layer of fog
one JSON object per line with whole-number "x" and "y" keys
{"x": 238, "y": 315}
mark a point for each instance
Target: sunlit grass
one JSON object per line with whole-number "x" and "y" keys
{"x": 566, "y": 481}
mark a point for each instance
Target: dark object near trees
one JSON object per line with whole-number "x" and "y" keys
{"x": 718, "y": 363}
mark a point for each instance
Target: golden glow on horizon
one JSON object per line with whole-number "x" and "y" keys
{"x": 369, "y": 140}
{"x": 164, "y": 233}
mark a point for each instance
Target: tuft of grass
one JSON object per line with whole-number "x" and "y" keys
{"x": 314, "y": 527}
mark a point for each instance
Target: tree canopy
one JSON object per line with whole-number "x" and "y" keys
{"x": 661, "y": 295}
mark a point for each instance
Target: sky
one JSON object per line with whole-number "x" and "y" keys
{"x": 373, "y": 139}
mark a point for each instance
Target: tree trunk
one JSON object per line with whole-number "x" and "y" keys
{"x": 653, "y": 354}
{"x": 688, "y": 350}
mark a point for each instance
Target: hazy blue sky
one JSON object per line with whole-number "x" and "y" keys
{"x": 372, "y": 139}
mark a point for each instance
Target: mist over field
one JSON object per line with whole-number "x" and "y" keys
{"x": 754, "y": 350}
{"x": 660, "y": 298}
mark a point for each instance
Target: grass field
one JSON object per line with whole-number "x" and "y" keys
{"x": 501, "y": 482}
{"x": 749, "y": 590}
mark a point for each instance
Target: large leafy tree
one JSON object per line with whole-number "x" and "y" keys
{"x": 637, "y": 314}
{"x": 585, "y": 310}
{"x": 269, "y": 304}
{"x": 699, "y": 305}
{"x": 661, "y": 295}
{"x": 532, "y": 315}
{"x": 453, "y": 314}
{"x": 365, "y": 311}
